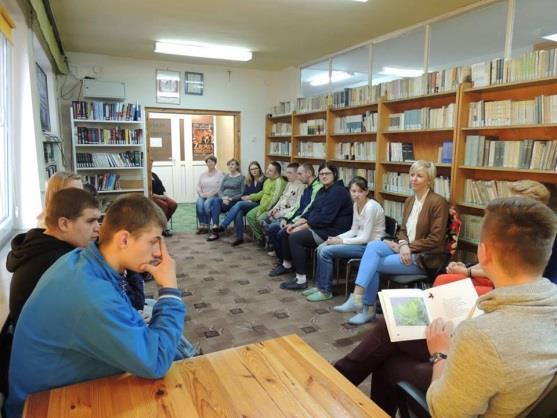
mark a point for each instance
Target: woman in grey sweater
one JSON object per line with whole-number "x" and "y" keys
{"x": 231, "y": 189}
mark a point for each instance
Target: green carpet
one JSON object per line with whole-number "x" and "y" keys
{"x": 184, "y": 219}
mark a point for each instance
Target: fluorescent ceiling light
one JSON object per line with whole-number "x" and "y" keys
{"x": 361, "y": 1}
{"x": 323, "y": 78}
{"x": 193, "y": 49}
{"x": 551, "y": 37}
{"x": 401, "y": 72}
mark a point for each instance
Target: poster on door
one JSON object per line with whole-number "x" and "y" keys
{"x": 203, "y": 140}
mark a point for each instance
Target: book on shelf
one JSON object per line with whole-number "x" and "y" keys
{"x": 283, "y": 165}
{"x": 445, "y": 155}
{"x": 104, "y": 182}
{"x": 528, "y": 154}
{"x": 400, "y": 152}
{"x": 104, "y": 159}
{"x": 281, "y": 129}
{"x": 355, "y": 151}
{"x": 470, "y": 228}
{"x": 356, "y": 96}
{"x": 424, "y": 118}
{"x": 110, "y": 111}
{"x": 311, "y": 104}
{"x": 312, "y": 149}
{"x": 408, "y": 312}
{"x": 346, "y": 174}
{"x": 400, "y": 183}
{"x": 116, "y": 136}
{"x": 283, "y": 108}
{"x": 313, "y": 127}
{"x": 394, "y": 209}
{"x": 280, "y": 148}
{"x": 366, "y": 122}
{"x": 480, "y": 192}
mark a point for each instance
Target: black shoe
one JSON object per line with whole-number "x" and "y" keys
{"x": 293, "y": 285}
{"x": 201, "y": 231}
{"x": 213, "y": 236}
{"x": 279, "y": 270}
{"x": 237, "y": 242}
{"x": 166, "y": 233}
{"x": 221, "y": 229}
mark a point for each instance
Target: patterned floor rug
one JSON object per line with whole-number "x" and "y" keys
{"x": 232, "y": 301}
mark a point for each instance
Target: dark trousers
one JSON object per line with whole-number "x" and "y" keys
{"x": 273, "y": 231}
{"x": 167, "y": 205}
{"x": 389, "y": 362}
{"x": 295, "y": 250}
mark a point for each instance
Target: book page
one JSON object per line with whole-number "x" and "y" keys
{"x": 406, "y": 313}
{"x": 453, "y": 302}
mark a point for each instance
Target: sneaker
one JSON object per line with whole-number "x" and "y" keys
{"x": 319, "y": 296}
{"x": 293, "y": 285}
{"x": 363, "y": 316}
{"x": 348, "y": 306}
{"x": 272, "y": 254}
{"x": 201, "y": 231}
{"x": 237, "y": 242}
{"x": 310, "y": 291}
{"x": 213, "y": 236}
{"x": 279, "y": 271}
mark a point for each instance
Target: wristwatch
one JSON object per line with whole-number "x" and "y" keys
{"x": 437, "y": 356}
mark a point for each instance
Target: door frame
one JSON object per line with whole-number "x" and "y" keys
{"x": 235, "y": 113}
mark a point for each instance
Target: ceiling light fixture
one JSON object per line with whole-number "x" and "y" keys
{"x": 401, "y": 72}
{"x": 323, "y": 78}
{"x": 551, "y": 37}
{"x": 361, "y": 1}
{"x": 194, "y": 49}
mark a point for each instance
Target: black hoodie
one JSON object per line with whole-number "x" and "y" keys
{"x": 32, "y": 254}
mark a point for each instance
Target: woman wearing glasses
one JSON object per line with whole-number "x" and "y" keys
{"x": 330, "y": 215}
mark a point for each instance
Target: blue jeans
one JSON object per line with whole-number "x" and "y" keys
{"x": 272, "y": 231}
{"x": 236, "y": 214}
{"x": 379, "y": 258}
{"x": 217, "y": 206}
{"x": 203, "y": 209}
{"x": 325, "y": 256}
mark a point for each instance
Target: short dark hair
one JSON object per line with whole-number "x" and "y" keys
{"x": 277, "y": 166}
{"x": 309, "y": 167}
{"x": 132, "y": 212}
{"x": 294, "y": 165}
{"x": 212, "y": 158}
{"x": 331, "y": 167}
{"x": 233, "y": 160}
{"x": 360, "y": 182}
{"x": 522, "y": 231}
{"x": 69, "y": 203}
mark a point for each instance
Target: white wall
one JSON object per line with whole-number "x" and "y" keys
{"x": 251, "y": 92}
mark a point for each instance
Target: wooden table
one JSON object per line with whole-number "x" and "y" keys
{"x": 283, "y": 377}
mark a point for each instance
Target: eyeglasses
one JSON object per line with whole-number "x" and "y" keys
{"x": 326, "y": 173}
{"x": 254, "y": 169}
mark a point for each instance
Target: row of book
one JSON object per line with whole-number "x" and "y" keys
{"x": 346, "y": 174}
{"x": 356, "y": 96}
{"x": 104, "y": 182}
{"x": 528, "y": 154}
{"x": 356, "y": 123}
{"x": 530, "y": 66}
{"x": 280, "y": 148}
{"x": 445, "y": 153}
{"x": 400, "y": 183}
{"x": 104, "y": 159}
{"x": 480, "y": 192}
{"x": 470, "y": 228}
{"x": 313, "y": 127}
{"x": 311, "y": 104}
{"x": 356, "y": 151}
{"x": 281, "y": 129}
{"x": 109, "y": 136}
{"x": 98, "y": 110}
{"x": 400, "y": 151}
{"x": 283, "y": 108}
{"x": 394, "y": 209}
{"x": 312, "y": 149}
{"x": 424, "y": 118}
{"x": 539, "y": 110}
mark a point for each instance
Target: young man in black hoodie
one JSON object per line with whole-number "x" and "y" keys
{"x": 72, "y": 221}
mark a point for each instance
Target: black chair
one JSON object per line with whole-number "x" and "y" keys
{"x": 412, "y": 402}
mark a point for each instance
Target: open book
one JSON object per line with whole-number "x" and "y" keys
{"x": 408, "y": 312}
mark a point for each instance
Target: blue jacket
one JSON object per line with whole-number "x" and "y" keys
{"x": 308, "y": 196}
{"x": 254, "y": 188}
{"x": 79, "y": 325}
{"x": 331, "y": 211}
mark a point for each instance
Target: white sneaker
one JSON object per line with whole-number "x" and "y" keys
{"x": 271, "y": 254}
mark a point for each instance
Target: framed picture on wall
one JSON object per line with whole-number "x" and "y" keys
{"x": 194, "y": 83}
{"x": 168, "y": 86}
{"x": 42, "y": 85}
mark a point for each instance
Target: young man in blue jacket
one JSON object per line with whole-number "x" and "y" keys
{"x": 79, "y": 324}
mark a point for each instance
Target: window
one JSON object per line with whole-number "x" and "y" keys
{"x": 5, "y": 160}
{"x": 533, "y": 19}
{"x": 351, "y": 69}
{"x": 315, "y": 79}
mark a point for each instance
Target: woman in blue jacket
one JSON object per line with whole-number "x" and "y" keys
{"x": 329, "y": 216}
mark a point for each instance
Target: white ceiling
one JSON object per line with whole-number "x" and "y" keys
{"x": 282, "y": 33}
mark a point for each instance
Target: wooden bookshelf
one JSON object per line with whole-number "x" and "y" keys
{"x": 270, "y": 138}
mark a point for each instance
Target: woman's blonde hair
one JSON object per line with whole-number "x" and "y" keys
{"x": 427, "y": 167}
{"x": 531, "y": 188}
{"x": 58, "y": 181}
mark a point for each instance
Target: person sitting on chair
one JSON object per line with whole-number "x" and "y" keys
{"x": 208, "y": 186}
{"x": 164, "y": 202}
{"x": 423, "y": 228}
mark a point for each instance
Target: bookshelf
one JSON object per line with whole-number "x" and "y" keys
{"x": 309, "y": 136}
{"x": 108, "y": 148}
{"x": 278, "y": 138}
